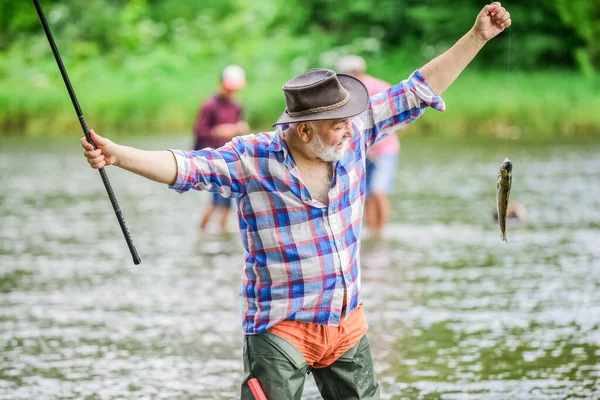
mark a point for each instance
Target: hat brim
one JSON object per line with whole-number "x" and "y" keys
{"x": 359, "y": 99}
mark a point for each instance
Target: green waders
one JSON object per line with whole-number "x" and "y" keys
{"x": 281, "y": 370}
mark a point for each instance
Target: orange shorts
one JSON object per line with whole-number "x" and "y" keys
{"x": 322, "y": 345}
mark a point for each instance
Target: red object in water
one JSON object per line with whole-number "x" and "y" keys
{"x": 256, "y": 390}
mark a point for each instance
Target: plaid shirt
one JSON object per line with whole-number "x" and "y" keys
{"x": 302, "y": 256}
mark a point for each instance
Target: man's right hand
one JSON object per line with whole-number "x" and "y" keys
{"x": 159, "y": 166}
{"x": 103, "y": 155}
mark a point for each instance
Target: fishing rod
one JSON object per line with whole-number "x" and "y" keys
{"x": 86, "y": 131}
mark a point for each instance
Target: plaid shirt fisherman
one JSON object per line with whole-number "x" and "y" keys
{"x": 302, "y": 256}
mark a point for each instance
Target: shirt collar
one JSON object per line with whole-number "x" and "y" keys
{"x": 278, "y": 143}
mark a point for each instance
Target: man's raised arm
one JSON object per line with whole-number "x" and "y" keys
{"x": 215, "y": 170}
{"x": 444, "y": 69}
{"x": 159, "y": 166}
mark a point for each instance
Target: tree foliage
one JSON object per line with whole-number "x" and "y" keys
{"x": 545, "y": 33}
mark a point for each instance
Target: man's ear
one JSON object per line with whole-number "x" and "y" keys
{"x": 305, "y": 131}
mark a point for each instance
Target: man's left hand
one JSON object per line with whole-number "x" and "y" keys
{"x": 492, "y": 20}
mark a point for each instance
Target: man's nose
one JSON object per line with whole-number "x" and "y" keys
{"x": 349, "y": 131}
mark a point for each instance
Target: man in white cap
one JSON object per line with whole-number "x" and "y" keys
{"x": 382, "y": 157}
{"x": 300, "y": 192}
{"x": 219, "y": 120}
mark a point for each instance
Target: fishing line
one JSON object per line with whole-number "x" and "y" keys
{"x": 508, "y": 78}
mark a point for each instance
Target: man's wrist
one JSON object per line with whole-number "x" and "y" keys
{"x": 477, "y": 37}
{"x": 117, "y": 155}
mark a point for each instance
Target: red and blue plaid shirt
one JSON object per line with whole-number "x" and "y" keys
{"x": 302, "y": 256}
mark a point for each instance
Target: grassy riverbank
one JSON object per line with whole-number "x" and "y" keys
{"x": 164, "y": 97}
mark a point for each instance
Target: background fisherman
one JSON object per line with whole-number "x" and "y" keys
{"x": 219, "y": 120}
{"x": 382, "y": 157}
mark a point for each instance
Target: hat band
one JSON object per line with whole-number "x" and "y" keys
{"x": 320, "y": 109}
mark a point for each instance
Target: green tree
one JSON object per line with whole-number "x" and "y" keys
{"x": 584, "y": 18}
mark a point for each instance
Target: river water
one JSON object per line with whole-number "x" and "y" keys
{"x": 454, "y": 312}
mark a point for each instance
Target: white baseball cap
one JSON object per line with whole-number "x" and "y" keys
{"x": 351, "y": 63}
{"x": 233, "y": 77}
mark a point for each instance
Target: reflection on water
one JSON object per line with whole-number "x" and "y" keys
{"x": 454, "y": 313}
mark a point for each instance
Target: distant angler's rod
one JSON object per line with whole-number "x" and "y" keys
{"x": 86, "y": 131}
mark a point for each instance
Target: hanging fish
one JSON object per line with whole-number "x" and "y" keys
{"x": 502, "y": 193}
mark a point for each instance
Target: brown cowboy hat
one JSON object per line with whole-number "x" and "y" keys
{"x": 320, "y": 94}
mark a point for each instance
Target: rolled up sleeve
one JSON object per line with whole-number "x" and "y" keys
{"x": 399, "y": 105}
{"x": 214, "y": 170}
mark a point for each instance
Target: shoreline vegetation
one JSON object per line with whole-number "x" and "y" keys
{"x": 155, "y": 101}
{"x": 145, "y": 67}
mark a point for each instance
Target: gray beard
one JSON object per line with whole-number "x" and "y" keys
{"x": 324, "y": 152}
